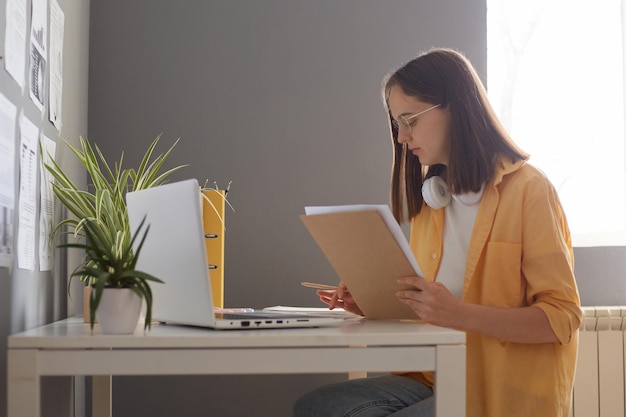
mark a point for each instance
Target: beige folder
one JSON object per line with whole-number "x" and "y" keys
{"x": 366, "y": 257}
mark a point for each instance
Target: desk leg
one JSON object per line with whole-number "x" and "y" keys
{"x": 101, "y": 395}
{"x": 23, "y": 383}
{"x": 450, "y": 381}
{"x": 357, "y": 374}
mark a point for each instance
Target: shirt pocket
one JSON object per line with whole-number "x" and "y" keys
{"x": 502, "y": 281}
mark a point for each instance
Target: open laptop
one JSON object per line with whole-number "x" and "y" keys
{"x": 174, "y": 251}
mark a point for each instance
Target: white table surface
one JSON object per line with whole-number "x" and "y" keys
{"x": 68, "y": 347}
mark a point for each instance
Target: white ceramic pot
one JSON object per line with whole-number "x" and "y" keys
{"x": 118, "y": 312}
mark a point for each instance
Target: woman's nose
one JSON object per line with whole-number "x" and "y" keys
{"x": 403, "y": 136}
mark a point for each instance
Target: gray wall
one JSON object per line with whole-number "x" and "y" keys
{"x": 601, "y": 275}
{"x": 31, "y": 299}
{"x": 283, "y": 98}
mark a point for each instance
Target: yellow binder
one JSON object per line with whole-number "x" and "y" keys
{"x": 214, "y": 228}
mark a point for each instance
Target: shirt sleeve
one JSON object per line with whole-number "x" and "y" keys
{"x": 548, "y": 261}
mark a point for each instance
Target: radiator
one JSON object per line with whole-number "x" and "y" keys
{"x": 600, "y": 372}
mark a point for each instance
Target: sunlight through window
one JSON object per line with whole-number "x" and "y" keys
{"x": 556, "y": 79}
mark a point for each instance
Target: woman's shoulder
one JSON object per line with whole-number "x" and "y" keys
{"x": 520, "y": 172}
{"x": 527, "y": 182}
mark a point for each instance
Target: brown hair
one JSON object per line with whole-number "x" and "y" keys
{"x": 477, "y": 138}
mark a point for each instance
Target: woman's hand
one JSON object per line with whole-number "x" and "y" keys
{"x": 434, "y": 304}
{"x": 431, "y": 301}
{"x": 341, "y": 298}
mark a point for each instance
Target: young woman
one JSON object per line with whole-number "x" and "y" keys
{"x": 491, "y": 238}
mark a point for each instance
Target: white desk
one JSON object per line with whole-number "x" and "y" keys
{"x": 67, "y": 347}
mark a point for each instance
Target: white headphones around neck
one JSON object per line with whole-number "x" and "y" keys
{"x": 436, "y": 194}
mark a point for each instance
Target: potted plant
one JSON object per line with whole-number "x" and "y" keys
{"x": 99, "y": 215}
{"x": 118, "y": 288}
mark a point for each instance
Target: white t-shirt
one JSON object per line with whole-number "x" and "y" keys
{"x": 457, "y": 232}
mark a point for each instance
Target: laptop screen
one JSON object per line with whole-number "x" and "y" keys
{"x": 174, "y": 251}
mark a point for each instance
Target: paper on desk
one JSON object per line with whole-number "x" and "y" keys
{"x": 387, "y": 216}
{"x": 317, "y": 311}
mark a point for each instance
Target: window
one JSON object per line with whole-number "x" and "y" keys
{"x": 556, "y": 79}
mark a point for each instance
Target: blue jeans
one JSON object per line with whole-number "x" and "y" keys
{"x": 390, "y": 395}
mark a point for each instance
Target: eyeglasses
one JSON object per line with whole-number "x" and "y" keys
{"x": 405, "y": 123}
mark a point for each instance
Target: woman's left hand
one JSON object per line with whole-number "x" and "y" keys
{"x": 431, "y": 301}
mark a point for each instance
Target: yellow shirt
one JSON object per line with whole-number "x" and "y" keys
{"x": 520, "y": 254}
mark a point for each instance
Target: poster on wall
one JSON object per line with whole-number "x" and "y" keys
{"x": 8, "y": 114}
{"x": 15, "y": 39}
{"x": 46, "y": 206}
{"x": 38, "y": 52}
{"x": 27, "y": 199}
{"x": 55, "y": 95}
